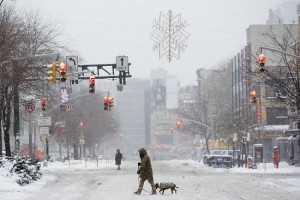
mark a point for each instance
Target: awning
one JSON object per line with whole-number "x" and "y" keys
{"x": 272, "y": 128}
{"x": 287, "y": 139}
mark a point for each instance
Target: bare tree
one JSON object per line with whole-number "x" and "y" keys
{"x": 23, "y": 38}
{"x": 211, "y": 111}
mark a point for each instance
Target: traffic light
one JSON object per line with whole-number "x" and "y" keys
{"x": 253, "y": 96}
{"x": 63, "y": 72}
{"x": 51, "y": 73}
{"x": 81, "y": 124}
{"x": 110, "y": 102}
{"x": 92, "y": 81}
{"x": 40, "y": 137}
{"x": 43, "y": 103}
{"x": 106, "y": 102}
{"x": 178, "y": 124}
{"x": 261, "y": 61}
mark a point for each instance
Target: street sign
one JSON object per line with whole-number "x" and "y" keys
{"x": 44, "y": 130}
{"x": 122, "y": 63}
{"x": 72, "y": 64}
{"x": 64, "y": 95}
{"x": 29, "y": 106}
{"x": 44, "y": 121}
{"x": 69, "y": 106}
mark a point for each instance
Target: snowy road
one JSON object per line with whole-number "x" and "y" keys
{"x": 195, "y": 181}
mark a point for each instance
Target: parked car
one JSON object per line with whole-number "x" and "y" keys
{"x": 220, "y": 161}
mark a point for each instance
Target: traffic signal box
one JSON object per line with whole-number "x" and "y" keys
{"x": 51, "y": 73}
{"x": 261, "y": 61}
{"x": 110, "y": 102}
{"x": 253, "y": 96}
{"x": 81, "y": 124}
{"x": 178, "y": 124}
{"x": 105, "y": 102}
{"x": 43, "y": 103}
{"x": 63, "y": 72}
{"x": 92, "y": 81}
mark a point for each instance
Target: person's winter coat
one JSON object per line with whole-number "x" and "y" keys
{"x": 118, "y": 157}
{"x": 145, "y": 169}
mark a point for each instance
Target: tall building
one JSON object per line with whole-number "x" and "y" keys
{"x": 269, "y": 116}
{"x": 164, "y": 112}
{"x": 187, "y": 99}
{"x": 134, "y": 115}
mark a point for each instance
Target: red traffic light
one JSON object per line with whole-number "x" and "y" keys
{"x": 261, "y": 58}
{"x": 62, "y": 71}
{"x": 253, "y": 96}
{"x": 261, "y": 61}
{"x": 106, "y": 102}
{"x": 43, "y": 100}
{"x": 92, "y": 79}
{"x": 62, "y": 67}
{"x": 105, "y": 99}
{"x": 178, "y": 124}
{"x": 81, "y": 124}
{"x": 253, "y": 93}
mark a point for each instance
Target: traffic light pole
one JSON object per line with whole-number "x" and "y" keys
{"x": 101, "y": 67}
{"x": 278, "y": 51}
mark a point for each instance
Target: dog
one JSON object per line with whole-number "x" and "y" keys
{"x": 164, "y": 186}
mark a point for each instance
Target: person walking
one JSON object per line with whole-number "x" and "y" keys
{"x": 276, "y": 157}
{"x": 145, "y": 172}
{"x": 118, "y": 158}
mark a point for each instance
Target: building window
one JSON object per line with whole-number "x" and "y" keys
{"x": 277, "y": 116}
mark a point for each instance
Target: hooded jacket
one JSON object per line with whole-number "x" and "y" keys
{"x": 118, "y": 157}
{"x": 145, "y": 169}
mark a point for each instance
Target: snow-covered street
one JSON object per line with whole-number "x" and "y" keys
{"x": 84, "y": 180}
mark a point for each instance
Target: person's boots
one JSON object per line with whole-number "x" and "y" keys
{"x": 138, "y": 192}
{"x": 153, "y": 191}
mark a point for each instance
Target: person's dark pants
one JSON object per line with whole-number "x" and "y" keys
{"x": 141, "y": 185}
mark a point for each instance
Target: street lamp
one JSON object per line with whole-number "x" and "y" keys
{"x": 81, "y": 140}
{"x": 234, "y": 139}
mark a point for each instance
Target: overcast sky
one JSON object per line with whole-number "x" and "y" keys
{"x": 103, "y": 29}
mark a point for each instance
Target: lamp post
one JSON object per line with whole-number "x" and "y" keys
{"x": 234, "y": 139}
{"x": 244, "y": 144}
{"x": 81, "y": 140}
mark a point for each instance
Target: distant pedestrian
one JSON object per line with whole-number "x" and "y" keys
{"x": 145, "y": 172}
{"x": 118, "y": 158}
{"x": 276, "y": 158}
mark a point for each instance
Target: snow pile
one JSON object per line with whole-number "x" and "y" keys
{"x": 22, "y": 170}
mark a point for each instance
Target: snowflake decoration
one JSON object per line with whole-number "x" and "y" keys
{"x": 169, "y": 35}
